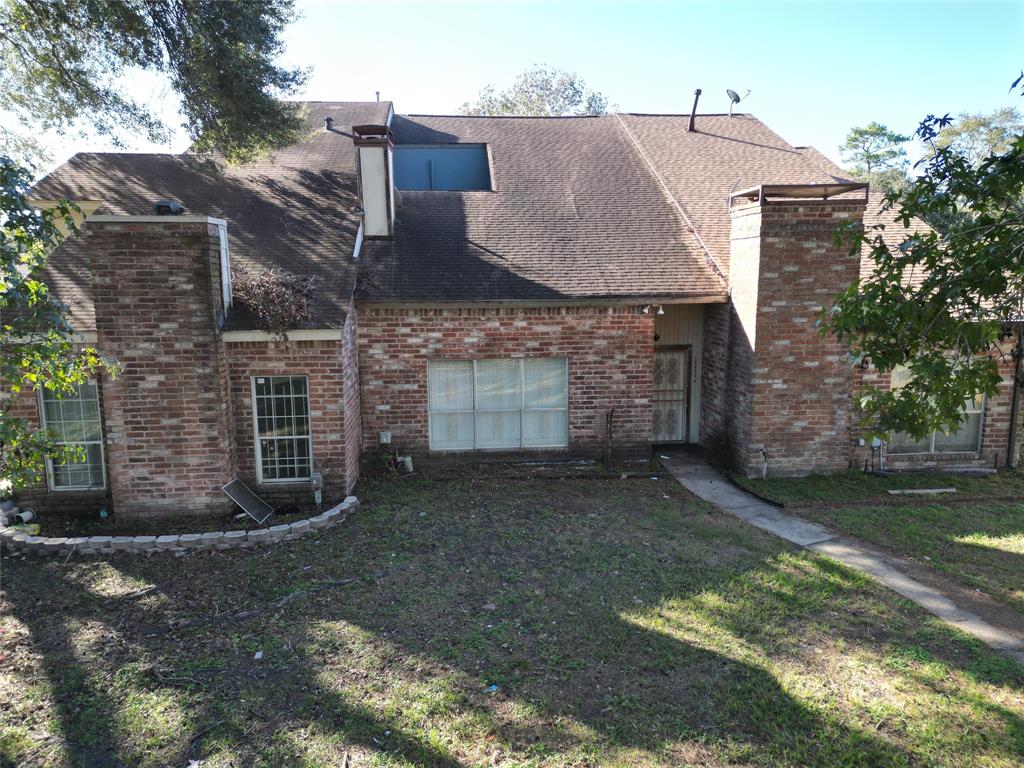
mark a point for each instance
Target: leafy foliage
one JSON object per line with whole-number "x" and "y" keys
{"x": 34, "y": 328}
{"x": 976, "y": 136}
{"x": 540, "y": 91}
{"x": 61, "y": 61}
{"x": 279, "y": 301}
{"x": 942, "y": 303}
{"x": 876, "y": 154}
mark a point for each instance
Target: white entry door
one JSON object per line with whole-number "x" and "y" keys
{"x": 671, "y": 394}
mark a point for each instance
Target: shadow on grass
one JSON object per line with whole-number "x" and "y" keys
{"x": 478, "y": 601}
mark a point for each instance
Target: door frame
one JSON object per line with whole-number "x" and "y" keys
{"x": 688, "y": 348}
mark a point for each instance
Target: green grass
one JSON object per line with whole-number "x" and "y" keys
{"x": 500, "y": 622}
{"x": 858, "y": 486}
{"x": 980, "y": 545}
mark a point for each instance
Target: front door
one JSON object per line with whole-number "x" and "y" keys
{"x": 671, "y": 394}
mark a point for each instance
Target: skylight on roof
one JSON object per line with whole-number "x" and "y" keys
{"x": 454, "y": 167}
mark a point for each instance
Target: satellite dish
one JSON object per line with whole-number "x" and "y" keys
{"x": 734, "y": 98}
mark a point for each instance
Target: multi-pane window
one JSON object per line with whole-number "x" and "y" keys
{"x": 75, "y": 419}
{"x": 284, "y": 446}
{"x": 520, "y": 403}
{"x": 966, "y": 439}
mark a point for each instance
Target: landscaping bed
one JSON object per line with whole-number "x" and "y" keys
{"x": 57, "y": 525}
{"x": 510, "y": 622}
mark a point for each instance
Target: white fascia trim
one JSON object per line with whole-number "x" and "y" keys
{"x": 391, "y": 115}
{"x": 105, "y": 218}
{"x": 315, "y": 334}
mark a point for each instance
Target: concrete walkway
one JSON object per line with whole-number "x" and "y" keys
{"x": 704, "y": 481}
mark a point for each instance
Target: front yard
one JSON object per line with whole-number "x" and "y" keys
{"x": 512, "y": 622}
{"x": 979, "y": 543}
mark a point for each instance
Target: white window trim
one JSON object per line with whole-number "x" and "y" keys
{"x": 522, "y": 410}
{"x": 103, "y": 450}
{"x": 256, "y": 432}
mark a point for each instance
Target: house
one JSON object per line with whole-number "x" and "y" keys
{"x": 499, "y": 286}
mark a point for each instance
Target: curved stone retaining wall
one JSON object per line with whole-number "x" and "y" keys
{"x": 17, "y": 541}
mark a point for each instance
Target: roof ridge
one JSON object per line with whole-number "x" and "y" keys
{"x": 709, "y": 257}
{"x": 687, "y": 114}
{"x": 507, "y": 117}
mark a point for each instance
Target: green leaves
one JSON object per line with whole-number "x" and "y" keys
{"x": 541, "y": 91}
{"x": 876, "y": 154}
{"x": 35, "y": 347}
{"x": 940, "y": 308}
{"x": 60, "y": 62}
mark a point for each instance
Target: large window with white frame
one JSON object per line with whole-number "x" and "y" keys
{"x": 281, "y": 421}
{"x": 966, "y": 439}
{"x": 75, "y": 419}
{"x": 495, "y": 404}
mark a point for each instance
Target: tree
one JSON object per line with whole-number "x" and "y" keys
{"x": 540, "y": 91}
{"x": 60, "y": 63}
{"x": 35, "y": 347}
{"x": 876, "y": 154}
{"x": 976, "y": 136}
{"x": 942, "y": 304}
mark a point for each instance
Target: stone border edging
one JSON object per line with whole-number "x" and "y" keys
{"x": 17, "y": 541}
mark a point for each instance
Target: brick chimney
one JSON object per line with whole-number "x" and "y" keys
{"x": 791, "y": 388}
{"x": 156, "y": 283}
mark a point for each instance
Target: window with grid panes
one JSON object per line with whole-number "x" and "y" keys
{"x": 76, "y": 421}
{"x": 284, "y": 443}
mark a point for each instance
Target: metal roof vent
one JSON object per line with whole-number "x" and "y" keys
{"x": 168, "y": 208}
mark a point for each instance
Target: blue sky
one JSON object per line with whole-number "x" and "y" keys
{"x": 814, "y": 69}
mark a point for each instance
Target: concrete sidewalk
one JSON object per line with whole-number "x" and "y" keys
{"x": 704, "y": 481}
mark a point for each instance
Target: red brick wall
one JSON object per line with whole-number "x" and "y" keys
{"x": 714, "y": 400}
{"x": 353, "y": 418}
{"x": 793, "y": 386}
{"x": 156, "y": 287}
{"x": 321, "y": 362}
{"x": 610, "y": 352}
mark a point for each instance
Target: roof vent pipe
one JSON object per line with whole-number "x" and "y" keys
{"x": 168, "y": 208}
{"x": 693, "y": 112}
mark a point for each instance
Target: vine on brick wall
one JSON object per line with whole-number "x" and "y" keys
{"x": 279, "y": 301}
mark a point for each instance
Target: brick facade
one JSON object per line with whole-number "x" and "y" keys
{"x": 609, "y": 349}
{"x": 178, "y": 420}
{"x": 330, "y": 401}
{"x": 790, "y": 388}
{"x": 156, "y": 289}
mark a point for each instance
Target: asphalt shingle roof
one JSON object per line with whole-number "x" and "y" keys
{"x": 575, "y": 214}
{"x": 582, "y": 208}
{"x": 291, "y": 211}
{"x": 722, "y": 155}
